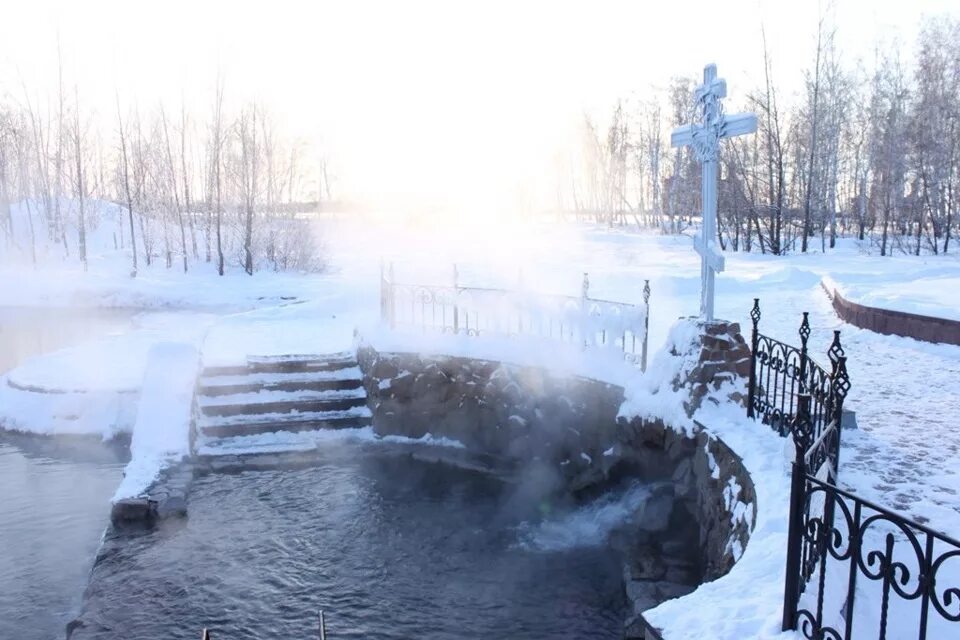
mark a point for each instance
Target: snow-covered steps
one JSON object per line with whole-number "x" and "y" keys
{"x": 287, "y": 364}
{"x": 322, "y": 380}
{"x": 253, "y": 424}
{"x": 260, "y": 402}
{"x": 302, "y": 394}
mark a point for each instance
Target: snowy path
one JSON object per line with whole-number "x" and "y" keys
{"x": 906, "y": 453}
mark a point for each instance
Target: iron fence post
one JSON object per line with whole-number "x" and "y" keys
{"x": 584, "y": 294}
{"x": 391, "y": 302}
{"x": 804, "y": 336}
{"x": 519, "y": 307}
{"x": 791, "y": 587}
{"x": 383, "y": 293}
{"x": 456, "y": 295}
{"x": 754, "y": 339}
{"x": 835, "y": 351}
{"x": 839, "y": 386}
{"x": 646, "y": 325}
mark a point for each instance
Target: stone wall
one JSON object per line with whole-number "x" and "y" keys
{"x": 694, "y": 527}
{"x": 518, "y": 413}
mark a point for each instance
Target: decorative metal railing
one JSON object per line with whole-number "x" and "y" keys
{"x": 476, "y": 311}
{"x": 845, "y": 554}
{"x": 780, "y": 373}
{"x": 855, "y": 570}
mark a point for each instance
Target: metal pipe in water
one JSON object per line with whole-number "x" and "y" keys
{"x": 322, "y": 625}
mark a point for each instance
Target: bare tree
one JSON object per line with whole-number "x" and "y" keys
{"x": 888, "y": 143}
{"x": 172, "y": 177}
{"x": 125, "y": 179}
{"x": 80, "y": 178}
{"x": 216, "y": 164}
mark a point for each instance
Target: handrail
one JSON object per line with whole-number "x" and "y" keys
{"x": 475, "y": 311}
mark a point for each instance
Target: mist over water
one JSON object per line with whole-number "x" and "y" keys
{"x": 29, "y": 331}
{"x": 388, "y": 547}
{"x": 587, "y": 526}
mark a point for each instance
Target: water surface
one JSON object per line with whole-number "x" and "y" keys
{"x": 388, "y": 547}
{"x": 30, "y": 331}
{"x": 54, "y": 507}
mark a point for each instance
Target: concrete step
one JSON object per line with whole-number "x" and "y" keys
{"x": 286, "y": 364}
{"x": 277, "y": 420}
{"x": 279, "y": 448}
{"x": 302, "y": 404}
{"x": 310, "y": 423}
{"x": 233, "y": 385}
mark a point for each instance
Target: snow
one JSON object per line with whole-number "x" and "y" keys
{"x": 560, "y": 357}
{"x": 102, "y": 413}
{"x": 262, "y": 397}
{"x": 293, "y": 416}
{"x": 161, "y": 435}
{"x": 912, "y": 286}
{"x": 349, "y": 373}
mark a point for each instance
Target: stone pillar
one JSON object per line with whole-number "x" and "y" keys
{"x": 720, "y": 364}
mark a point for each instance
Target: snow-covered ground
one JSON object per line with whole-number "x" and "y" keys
{"x": 905, "y": 393}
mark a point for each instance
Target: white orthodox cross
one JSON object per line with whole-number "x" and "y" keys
{"x": 704, "y": 137}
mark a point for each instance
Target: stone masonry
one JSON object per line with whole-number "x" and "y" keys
{"x": 720, "y": 360}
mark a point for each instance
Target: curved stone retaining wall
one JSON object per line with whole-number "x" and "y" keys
{"x": 898, "y": 323}
{"x": 567, "y": 431}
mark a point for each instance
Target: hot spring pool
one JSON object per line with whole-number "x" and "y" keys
{"x": 388, "y": 547}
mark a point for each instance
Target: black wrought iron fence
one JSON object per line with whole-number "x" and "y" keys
{"x": 476, "y": 311}
{"x": 857, "y": 570}
{"x": 781, "y": 373}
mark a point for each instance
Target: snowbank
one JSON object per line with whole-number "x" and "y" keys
{"x": 106, "y": 413}
{"x": 91, "y": 388}
{"x": 747, "y": 602}
{"x": 923, "y": 290}
{"x": 161, "y": 435}
{"x": 561, "y": 358}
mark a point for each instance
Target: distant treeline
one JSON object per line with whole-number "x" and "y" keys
{"x": 870, "y": 153}
{"x": 210, "y": 188}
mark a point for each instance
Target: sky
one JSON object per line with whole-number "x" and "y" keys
{"x": 460, "y": 103}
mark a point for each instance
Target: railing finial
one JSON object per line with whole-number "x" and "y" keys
{"x": 841, "y": 379}
{"x": 754, "y": 340}
{"x": 802, "y": 428}
{"x": 804, "y": 330}
{"x": 804, "y": 336}
{"x": 835, "y": 352}
{"x": 585, "y": 289}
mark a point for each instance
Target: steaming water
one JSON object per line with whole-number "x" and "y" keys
{"x": 588, "y": 526}
{"x": 26, "y": 332}
{"x": 388, "y": 547}
{"x": 53, "y": 512}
